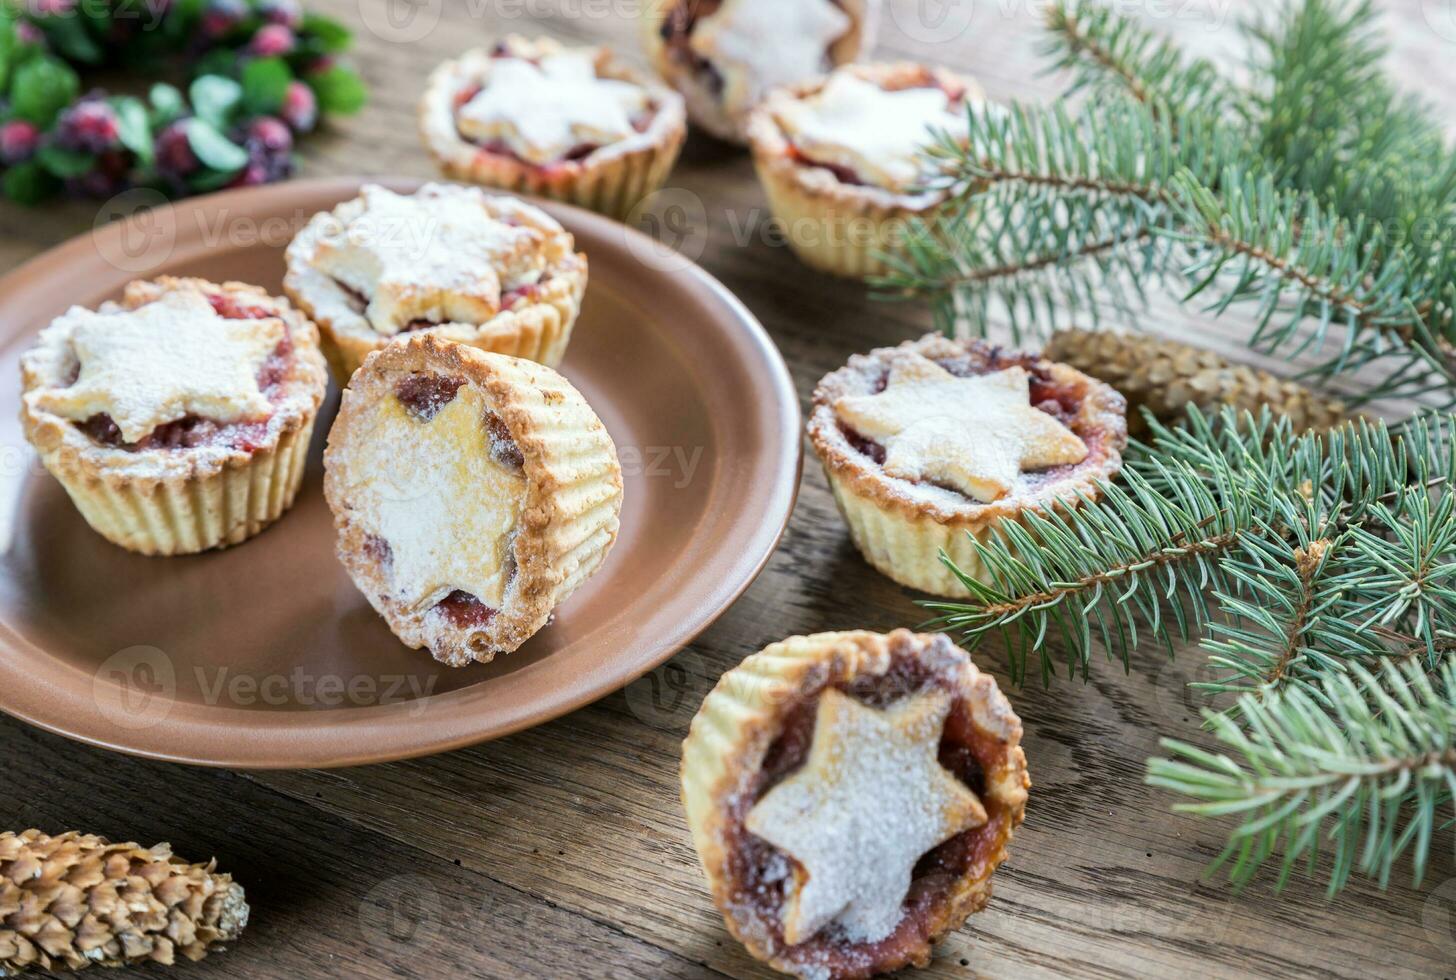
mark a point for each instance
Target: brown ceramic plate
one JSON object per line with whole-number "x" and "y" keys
{"x": 265, "y": 655}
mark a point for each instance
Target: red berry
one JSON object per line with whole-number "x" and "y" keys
{"x": 18, "y": 141}
{"x": 47, "y": 8}
{"x": 222, "y": 16}
{"x": 270, "y": 133}
{"x": 255, "y": 173}
{"x": 272, "y": 40}
{"x": 174, "y": 152}
{"x": 300, "y": 108}
{"x": 89, "y": 125}
{"x": 28, "y": 33}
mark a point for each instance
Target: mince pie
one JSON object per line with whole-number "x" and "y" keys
{"x": 574, "y": 124}
{"x": 840, "y": 159}
{"x": 177, "y": 419}
{"x": 485, "y": 270}
{"x": 724, "y": 56}
{"x": 472, "y": 492}
{"x": 851, "y": 795}
{"x": 929, "y": 446}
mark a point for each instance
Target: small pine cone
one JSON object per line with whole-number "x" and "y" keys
{"x": 1165, "y": 377}
{"x": 75, "y": 900}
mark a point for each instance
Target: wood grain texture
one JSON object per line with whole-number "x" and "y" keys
{"x": 562, "y": 851}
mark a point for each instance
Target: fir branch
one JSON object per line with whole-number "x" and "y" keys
{"x": 1365, "y": 764}
{"x": 1109, "y": 53}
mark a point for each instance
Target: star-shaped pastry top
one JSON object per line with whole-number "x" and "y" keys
{"x": 542, "y": 112}
{"x": 869, "y": 801}
{"x": 758, "y": 45}
{"x": 439, "y": 257}
{"x": 431, "y": 489}
{"x": 875, "y": 132}
{"x": 173, "y": 357}
{"x": 975, "y": 435}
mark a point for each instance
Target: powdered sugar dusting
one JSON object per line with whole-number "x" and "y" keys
{"x": 437, "y": 256}
{"x": 542, "y": 110}
{"x": 758, "y": 45}
{"x": 170, "y": 358}
{"x": 870, "y": 800}
{"x": 975, "y": 435}
{"x": 431, "y": 490}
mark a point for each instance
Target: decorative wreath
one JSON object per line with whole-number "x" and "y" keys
{"x": 256, "y": 74}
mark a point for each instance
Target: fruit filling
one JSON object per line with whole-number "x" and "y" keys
{"x": 425, "y": 394}
{"x": 464, "y": 611}
{"x": 760, "y": 872}
{"x": 194, "y": 431}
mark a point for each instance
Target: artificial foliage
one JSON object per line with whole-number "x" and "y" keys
{"x": 230, "y": 85}
{"x": 1315, "y": 206}
{"x": 70, "y": 901}
{"x": 1318, "y": 570}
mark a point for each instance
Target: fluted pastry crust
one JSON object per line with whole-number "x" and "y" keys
{"x": 901, "y": 527}
{"x": 568, "y": 519}
{"x": 745, "y": 714}
{"x": 181, "y": 500}
{"x": 611, "y": 180}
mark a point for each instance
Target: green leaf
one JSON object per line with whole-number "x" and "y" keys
{"x": 68, "y": 36}
{"x": 214, "y": 98}
{"x": 167, "y": 103}
{"x": 215, "y": 150}
{"x": 8, "y": 43}
{"x": 135, "y": 130}
{"x": 42, "y": 88}
{"x": 209, "y": 180}
{"x": 339, "y": 90}
{"x": 331, "y": 35}
{"x": 65, "y": 163}
{"x": 28, "y": 183}
{"x": 265, "y": 85}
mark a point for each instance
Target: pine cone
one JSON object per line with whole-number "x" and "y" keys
{"x": 76, "y": 900}
{"x": 1165, "y": 377}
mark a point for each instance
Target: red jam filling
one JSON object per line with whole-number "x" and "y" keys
{"x": 464, "y": 611}
{"x": 423, "y": 395}
{"x": 756, "y": 868}
{"x": 846, "y": 175}
{"x": 194, "y": 431}
{"x": 509, "y": 300}
{"x": 1061, "y": 402}
{"x": 503, "y": 449}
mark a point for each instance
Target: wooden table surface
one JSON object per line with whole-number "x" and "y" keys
{"x": 562, "y": 851}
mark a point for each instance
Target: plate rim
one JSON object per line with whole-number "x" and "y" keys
{"x": 759, "y": 548}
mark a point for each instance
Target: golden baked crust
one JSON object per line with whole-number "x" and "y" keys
{"x": 182, "y": 500}
{"x": 537, "y": 328}
{"x": 704, "y": 106}
{"x": 611, "y": 179}
{"x": 902, "y": 527}
{"x": 745, "y": 714}
{"x": 850, "y": 224}
{"x": 573, "y": 491}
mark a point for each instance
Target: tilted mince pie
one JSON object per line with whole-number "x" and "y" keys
{"x": 724, "y": 56}
{"x": 850, "y": 796}
{"x": 574, "y": 124}
{"x": 840, "y": 159}
{"x": 937, "y": 439}
{"x": 177, "y": 419}
{"x": 472, "y": 492}
{"x": 486, "y": 270}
